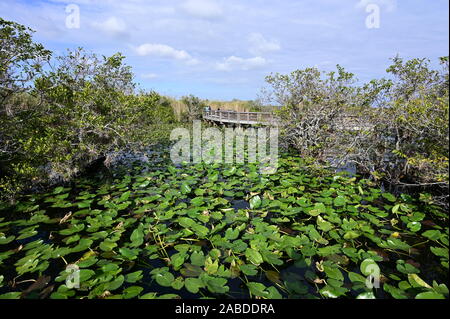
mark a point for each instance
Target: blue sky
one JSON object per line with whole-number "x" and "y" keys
{"x": 223, "y": 49}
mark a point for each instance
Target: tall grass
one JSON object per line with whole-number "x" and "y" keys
{"x": 235, "y": 105}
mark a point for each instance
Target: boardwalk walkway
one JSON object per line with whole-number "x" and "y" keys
{"x": 346, "y": 122}
{"x": 240, "y": 118}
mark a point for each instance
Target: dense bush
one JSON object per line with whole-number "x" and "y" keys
{"x": 193, "y": 108}
{"x": 395, "y": 129}
{"x": 57, "y": 120}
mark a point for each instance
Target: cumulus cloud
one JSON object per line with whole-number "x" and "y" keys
{"x": 205, "y": 9}
{"x": 389, "y": 5}
{"x": 112, "y": 26}
{"x": 165, "y": 51}
{"x": 149, "y": 75}
{"x": 234, "y": 62}
{"x": 260, "y": 45}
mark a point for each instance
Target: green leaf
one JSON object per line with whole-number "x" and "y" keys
{"x": 11, "y": 295}
{"x": 131, "y": 292}
{"x": 164, "y": 279}
{"x": 198, "y": 258}
{"x": 134, "y": 276}
{"x": 193, "y": 284}
{"x": 430, "y": 295}
{"x": 333, "y": 272}
{"x": 255, "y": 202}
{"x": 366, "y": 295}
{"x": 432, "y": 234}
{"x": 257, "y": 289}
{"x": 339, "y": 201}
{"x": 185, "y": 189}
{"x": 253, "y": 256}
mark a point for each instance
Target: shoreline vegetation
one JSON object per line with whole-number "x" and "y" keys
{"x": 86, "y": 181}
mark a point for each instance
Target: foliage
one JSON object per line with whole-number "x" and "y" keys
{"x": 394, "y": 129}
{"x": 79, "y": 110}
{"x": 193, "y": 108}
{"x": 199, "y": 230}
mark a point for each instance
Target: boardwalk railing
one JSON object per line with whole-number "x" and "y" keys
{"x": 344, "y": 122}
{"x": 248, "y": 118}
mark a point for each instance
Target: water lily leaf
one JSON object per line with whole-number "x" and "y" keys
{"x": 416, "y": 281}
{"x": 185, "y": 189}
{"x": 231, "y": 234}
{"x": 186, "y": 222}
{"x": 406, "y": 268}
{"x": 197, "y": 201}
{"x": 439, "y": 251}
{"x": 389, "y": 197}
{"x": 164, "y": 279}
{"x": 354, "y": 277}
{"x": 271, "y": 257}
{"x": 198, "y": 258}
{"x": 137, "y": 237}
{"x": 323, "y": 224}
{"x": 430, "y": 295}
{"x": 177, "y": 260}
{"x": 108, "y": 245}
{"x": 124, "y": 197}
{"x": 249, "y": 270}
{"x": 11, "y": 295}
{"x": 339, "y": 201}
{"x": 134, "y": 276}
{"x": 432, "y": 234}
{"x": 414, "y": 226}
{"x": 131, "y": 292}
{"x": 6, "y": 240}
{"x": 216, "y": 285}
{"x": 86, "y": 274}
{"x": 211, "y": 266}
{"x": 332, "y": 292}
{"x": 351, "y": 234}
{"x": 273, "y": 276}
{"x": 178, "y": 283}
{"x": 255, "y": 202}
{"x": 128, "y": 253}
{"x": 366, "y": 295}
{"x": 190, "y": 270}
{"x": 253, "y": 256}
{"x": 257, "y": 289}
{"x": 116, "y": 283}
{"x": 333, "y": 272}
{"x": 71, "y": 230}
{"x": 193, "y": 284}
{"x": 200, "y": 231}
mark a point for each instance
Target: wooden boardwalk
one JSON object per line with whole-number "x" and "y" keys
{"x": 240, "y": 118}
{"x": 346, "y": 122}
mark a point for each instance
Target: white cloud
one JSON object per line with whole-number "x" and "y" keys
{"x": 113, "y": 26}
{"x": 165, "y": 51}
{"x": 261, "y": 45}
{"x": 389, "y": 5}
{"x": 205, "y": 9}
{"x": 234, "y": 62}
{"x": 149, "y": 75}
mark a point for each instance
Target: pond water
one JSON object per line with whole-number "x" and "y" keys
{"x": 153, "y": 230}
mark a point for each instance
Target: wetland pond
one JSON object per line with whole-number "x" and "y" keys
{"x": 154, "y": 230}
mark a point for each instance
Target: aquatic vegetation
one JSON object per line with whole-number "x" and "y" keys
{"x": 223, "y": 231}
